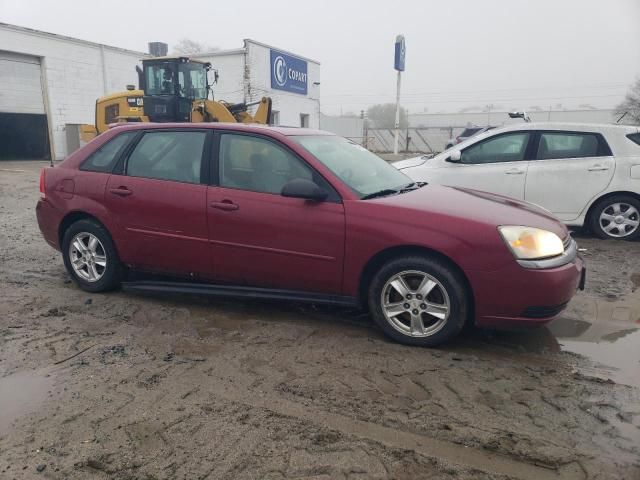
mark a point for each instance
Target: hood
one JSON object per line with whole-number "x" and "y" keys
{"x": 411, "y": 162}
{"x": 475, "y": 206}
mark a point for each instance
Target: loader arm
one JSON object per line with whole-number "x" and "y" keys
{"x": 263, "y": 112}
{"x": 214, "y": 111}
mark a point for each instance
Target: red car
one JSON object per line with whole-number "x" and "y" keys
{"x": 304, "y": 215}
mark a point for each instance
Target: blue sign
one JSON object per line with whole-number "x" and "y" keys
{"x": 398, "y": 62}
{"x": 288, "y": 73}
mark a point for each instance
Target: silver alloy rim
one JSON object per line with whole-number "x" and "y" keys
{"x": 88, "y": 257}
{"x": 619, "y": 219}
{"x": 415, "y": 303}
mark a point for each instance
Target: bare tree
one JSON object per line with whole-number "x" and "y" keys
{"x": 384, "y": 115}
{"x": 186, "y": 46}
{"x": 630, "y": 106}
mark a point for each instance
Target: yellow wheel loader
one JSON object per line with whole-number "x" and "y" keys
{"x": 174, "y": 89}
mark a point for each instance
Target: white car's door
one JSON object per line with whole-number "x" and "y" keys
{"x": 569, "y": 169}
{"x": 497, "y": 164}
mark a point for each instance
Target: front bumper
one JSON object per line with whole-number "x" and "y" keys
{"x": 520, "y": 297}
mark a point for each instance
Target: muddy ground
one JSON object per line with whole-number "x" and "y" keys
{"x": 124, "y": 386}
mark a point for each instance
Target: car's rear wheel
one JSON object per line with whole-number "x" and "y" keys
{"x": 90, "y": 256}
{"x": 419, "y": 301}
{"x": 616, "y": 217}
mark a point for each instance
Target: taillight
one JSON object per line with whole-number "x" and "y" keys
{"x": 458, "y": 139}
{"x": 42, "y": 191}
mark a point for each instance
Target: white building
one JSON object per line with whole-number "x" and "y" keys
{"x": 49, "y": 82}
{"x": 257, "y": 70}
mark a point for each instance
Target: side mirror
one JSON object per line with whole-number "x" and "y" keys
{"x": 455, "y": 156}
{"x": 303, "y": 188}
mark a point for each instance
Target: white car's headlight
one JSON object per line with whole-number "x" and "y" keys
{"x": 528, "y": 243}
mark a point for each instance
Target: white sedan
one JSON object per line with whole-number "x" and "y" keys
{"x": 585, "y": 174}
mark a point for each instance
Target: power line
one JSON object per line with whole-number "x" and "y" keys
{"x": 519, "y": 99}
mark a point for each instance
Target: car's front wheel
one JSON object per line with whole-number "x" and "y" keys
{"x": 419, "y": 300}
{"x": 90, "y": 256}
{"x": 616, "y": 217}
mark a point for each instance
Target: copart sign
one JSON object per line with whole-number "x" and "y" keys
{"x": 288, "y": 73}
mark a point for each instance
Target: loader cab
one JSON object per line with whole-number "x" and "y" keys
{"x": 171, "y": 85}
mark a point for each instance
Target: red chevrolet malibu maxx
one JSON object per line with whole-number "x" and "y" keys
{"x": 303, "y": 215}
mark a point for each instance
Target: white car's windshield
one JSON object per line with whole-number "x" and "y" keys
{"x": 364, "y": 172}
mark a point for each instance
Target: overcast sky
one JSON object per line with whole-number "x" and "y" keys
{"x": 505, "y": 53}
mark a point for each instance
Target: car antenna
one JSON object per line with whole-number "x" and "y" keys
{"x": 622, "y": 116}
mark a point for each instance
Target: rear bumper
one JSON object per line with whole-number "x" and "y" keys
{"x": 524, "y": 297}
{"x": 48, "y": 220}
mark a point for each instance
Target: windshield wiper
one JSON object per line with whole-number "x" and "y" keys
{"x": 380, "y": 193}
{"x": 393, "y": 191}
{"x": 412, "y": 186}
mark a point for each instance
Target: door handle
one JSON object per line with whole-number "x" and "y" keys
{"x": 226, "y": 205}
{"x": 514, "y": 171}
{"x": 597, "y": 168}
{"x": 121, "y": 191}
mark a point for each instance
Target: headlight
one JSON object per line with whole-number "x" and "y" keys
{"x": 528, "y": 243}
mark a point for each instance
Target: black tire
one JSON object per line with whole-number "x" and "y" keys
{"x": 596, "y": 227}
{"x": 449, "y": 279}
{"x": 111, "y": 275}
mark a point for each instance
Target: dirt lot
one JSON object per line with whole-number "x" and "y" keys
{"x": 123, "y": 386}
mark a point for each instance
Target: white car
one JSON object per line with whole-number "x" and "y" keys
{"x": 585, "y": 174}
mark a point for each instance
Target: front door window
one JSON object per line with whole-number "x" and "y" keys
{"x": 510, "y": 147}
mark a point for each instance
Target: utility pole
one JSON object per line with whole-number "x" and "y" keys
{"x": 397, "y": 124}
{"x": 398, "y": 64}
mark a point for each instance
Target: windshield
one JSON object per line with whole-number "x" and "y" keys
{"x": 159, "y": 79}
{"x": 364, "y": 172}
{"x": 191, "y": 81}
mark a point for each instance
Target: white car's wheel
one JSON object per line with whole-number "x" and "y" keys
{"x": 616, "y": 217}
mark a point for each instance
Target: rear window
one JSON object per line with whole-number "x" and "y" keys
{"x": 104, "y": 159}
{"x": 634, "y": 137}
{"x": 467, "y": 132}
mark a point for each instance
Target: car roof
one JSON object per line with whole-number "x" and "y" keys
{"x": 240, "y": 127}
{"x": 613, "y": 132}
{"x": 573, "y": 126}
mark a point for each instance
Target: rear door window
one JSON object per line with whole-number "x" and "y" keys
{"x": 104, "y": 159}
{"x": 164, "y": 155}
{"x": 568, "y": 145}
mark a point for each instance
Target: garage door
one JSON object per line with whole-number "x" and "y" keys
{"x": 23, "y": 122}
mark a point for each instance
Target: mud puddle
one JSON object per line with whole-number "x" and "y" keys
{"x": 605, "y": 331}
{"x": 22, "y": 393}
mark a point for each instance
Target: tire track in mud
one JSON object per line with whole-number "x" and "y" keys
{"x": 429, "y": 447}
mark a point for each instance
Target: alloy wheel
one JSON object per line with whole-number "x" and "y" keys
{"x": 88, "y": 257}
{"x": 415, "y": 303}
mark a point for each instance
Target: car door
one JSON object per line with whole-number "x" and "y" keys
{"x": 497, "y": 164}
{"x": 158, "y": 199}
{"x": 570, "y": 169}
{"x": 260, "y": 238}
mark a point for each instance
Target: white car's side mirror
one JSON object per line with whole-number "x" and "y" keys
{"x": 455, "y": 156}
